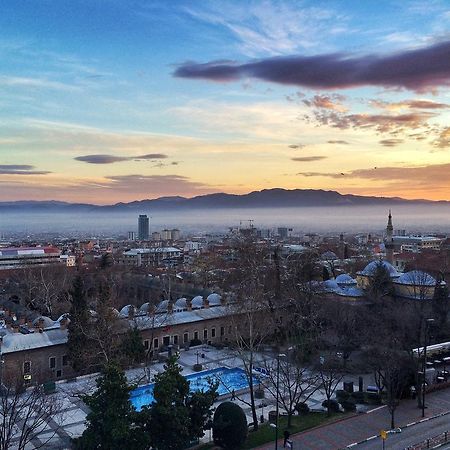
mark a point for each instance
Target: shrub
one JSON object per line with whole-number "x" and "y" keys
{"x": 349, "y": 404}
{"x": 332, "y": 405}
{"x": 195, "y": 342}
{"x": 358, "y": 397}
{"x": 342, "y": 395}
{"x": 302, "y": 408}
{"x": 373, "y": 397}
{"x": 229, "y": 426}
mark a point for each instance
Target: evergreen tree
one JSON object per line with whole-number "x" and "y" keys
{"x": 230, "y": 426}
{"x": 77, "y": 341}
{"x": 176, "y": 416}
{"x": 112, "y": 423}
{"x": 132, "y": 346}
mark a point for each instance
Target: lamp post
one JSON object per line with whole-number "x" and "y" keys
{"x": 428, "y": 322}
{"x": 281, "y": 355}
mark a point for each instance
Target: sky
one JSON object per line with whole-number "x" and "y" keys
{"x": 104, "y": 101}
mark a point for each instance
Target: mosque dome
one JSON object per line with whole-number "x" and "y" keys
{"x": 145, "y": 308}
{"x": 163, "y": 306}
{"x": 125, "y": 311}
{"x": 416, "y": 278}
{"x": 372, "y": 267}
{"x": 180, "y": 304}
{"x": 331, "y": 286}
{"x": 46, "y": 321}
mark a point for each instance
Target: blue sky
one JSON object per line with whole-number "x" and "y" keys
{"x": 86, "y": 78}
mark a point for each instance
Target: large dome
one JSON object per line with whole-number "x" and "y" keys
{"x": 416, "y": 278}
{"x": 372, "y": 267}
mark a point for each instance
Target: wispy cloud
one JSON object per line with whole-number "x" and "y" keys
{"x": 20, "y": 169}
{"x": 28, "y": 82}
{"x": 309, "y": 158}
{"x": 109, "y": 159}
{"x": 420, "y": 70}
{"x": 391, "y": 142}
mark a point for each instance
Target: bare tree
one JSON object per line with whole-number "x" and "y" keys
{"x": 330, "y": 375}
{"x": 294, "y": 384}
{"x": 24, "y": 415}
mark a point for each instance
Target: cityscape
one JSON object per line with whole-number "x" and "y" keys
{"x": 225, "y": 225}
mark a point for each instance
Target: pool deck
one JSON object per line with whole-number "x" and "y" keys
{"x": 71, "y": 419}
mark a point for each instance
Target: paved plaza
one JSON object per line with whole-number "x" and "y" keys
{"x": 70, "y": 422}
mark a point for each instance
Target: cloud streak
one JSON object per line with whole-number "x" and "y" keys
{"x": 309, "y": 158}
{"x": 20, "y": 169}
{"x": 419, "y": 70}
{"x": 110, "y": 159}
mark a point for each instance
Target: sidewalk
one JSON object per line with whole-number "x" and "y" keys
{"x": 357, "y": 428}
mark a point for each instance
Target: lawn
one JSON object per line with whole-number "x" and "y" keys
{"x": 266, "y": 433}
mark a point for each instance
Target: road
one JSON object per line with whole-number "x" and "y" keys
{"x": 411, "y": 435}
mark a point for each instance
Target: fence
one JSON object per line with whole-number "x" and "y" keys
{"x": 433, "y": 442}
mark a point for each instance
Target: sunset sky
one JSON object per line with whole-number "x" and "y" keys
{"x": 117, "y": 100}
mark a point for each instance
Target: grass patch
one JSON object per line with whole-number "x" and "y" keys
{"x": 266, "y": 433}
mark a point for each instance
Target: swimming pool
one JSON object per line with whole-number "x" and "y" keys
{"x": 229, "y": 380}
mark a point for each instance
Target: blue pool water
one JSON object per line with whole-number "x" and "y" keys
{"x": 228, "y": 379}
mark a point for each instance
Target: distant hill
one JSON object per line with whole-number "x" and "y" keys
{"x": 267, "y": 198}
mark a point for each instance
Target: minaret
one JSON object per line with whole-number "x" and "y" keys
{"x": 389, "y": 241}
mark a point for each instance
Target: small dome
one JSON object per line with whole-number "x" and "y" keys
{"x": 181, "y": 303}
{"x": 163, "y": 306}
{"x": 416, "y": 278}
{"x": 115, "y": 312}
{"x": 345, "y": 279}
{"x": 371, "y": 268}
{"x": 64, "y": 316}
{"x": 329, "y": 255}
{"x": 214, "y": 299}
{"x": 145, "y": 308}
{"x": 125, "y": 311}
{"x": 331, "y": 286}
{"x": 351, "y": 291}
{"x": 197, "y": 302}
{"x": 47, "y": 322}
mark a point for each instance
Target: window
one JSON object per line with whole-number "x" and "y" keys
{"x": 65, "y": 360}
{"x": 155, "y": 343}
{"x": 58, "y": 373}
{"x": 222, "y": 331}
{"x": 146, "y": 344}
{"x": 213, "y": 332}
{"x": 195, "y": 335}
{"x": 205, "y": 334}
{"x": 175, "y": 339}
{"x": 229, "y": 329}
{"x": 186, "y": 337}
{"x": 27, "y": 367}
{"x": 52, "y": 362}
{"x": 166, "y": 340}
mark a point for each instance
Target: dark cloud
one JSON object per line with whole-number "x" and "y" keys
{"x": 296, "y": 146}
{"x": 419, "y": 69}
{"x": 20, "y": 169}
{"x": 391, "y": 142}
{"x": 309, "y": 158}
{"x": 338, "y": 141}
{"x": 110, "y": 159}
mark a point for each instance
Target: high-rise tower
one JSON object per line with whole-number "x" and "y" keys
{"x": 143, "y": 227}
{"x": 389, "y": 241}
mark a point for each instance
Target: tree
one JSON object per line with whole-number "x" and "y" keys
{"x": 380, "y": 284}
{"x": 330, "y": 375}
{"x": 441, "y": 304}
{"x": 77, "y": 341}
{"x": 24, "y": 414}
{"x": 111, "y": 421}
{"x": 229, "y": 426}
{"x": 176, "y": 416}
{"x": 295, "y": 384}
{"x": 132, "y": 346}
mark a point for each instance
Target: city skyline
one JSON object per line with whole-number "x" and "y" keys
{"x": 112, "y": 101}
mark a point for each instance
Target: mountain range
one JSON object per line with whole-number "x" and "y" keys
{"x": 267, "y": 198}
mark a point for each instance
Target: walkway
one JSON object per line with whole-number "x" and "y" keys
{"x": 340, "y": 434}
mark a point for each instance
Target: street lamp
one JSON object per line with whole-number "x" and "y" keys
{"x": 281, "y": 355}
{"x": 428, "y": 322}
